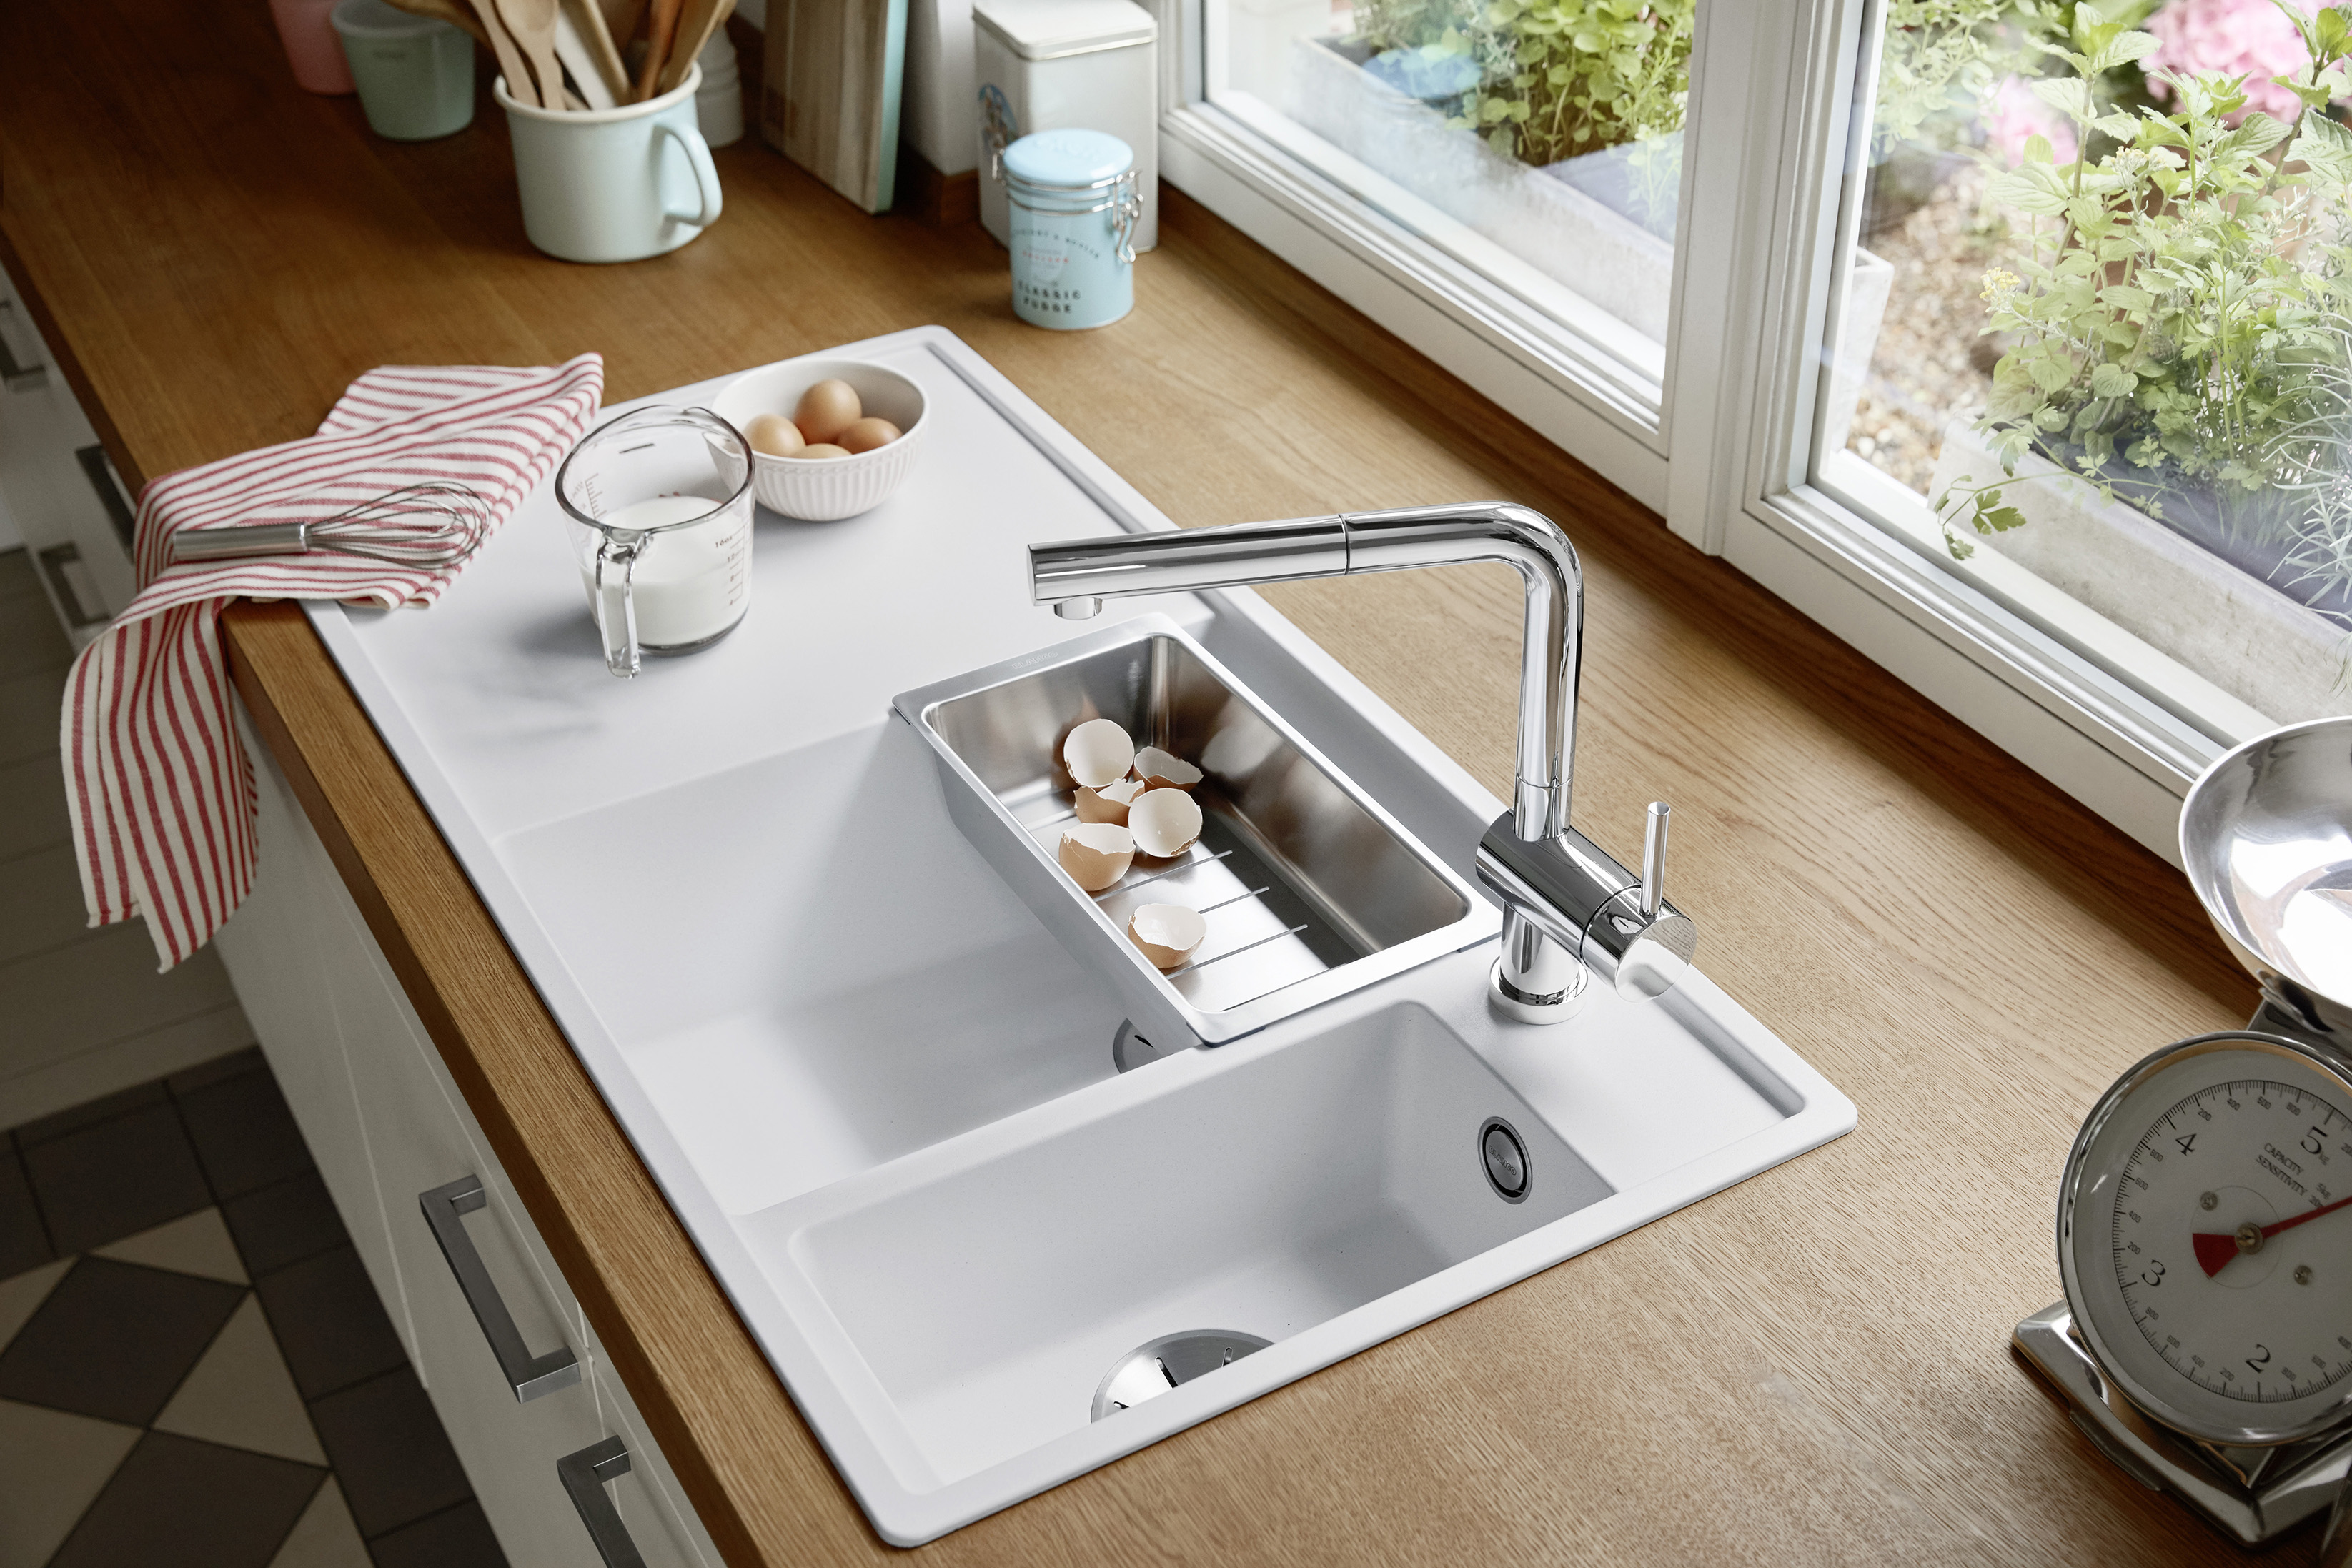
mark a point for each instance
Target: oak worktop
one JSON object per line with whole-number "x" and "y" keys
{"x": 1809, "y": 1367}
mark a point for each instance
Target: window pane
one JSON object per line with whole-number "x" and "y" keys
{"x": 1539, "y": 142}
{"x": 2092, "y": 341}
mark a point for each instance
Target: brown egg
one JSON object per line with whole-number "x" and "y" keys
{"x": 823, "y": 449}
{"x": 1108, "y": 804}
{"x": 865, "y": 435}
{"x": 1169, "y": 934}
{"x": 1161, "y": 770}
{"x": 1097, "y": 752}
{"x": 1163, "y": 823}
{"x": 827, "y": 409}
{"x": 1096, "y": 854}
{"x": 774, "y": 434}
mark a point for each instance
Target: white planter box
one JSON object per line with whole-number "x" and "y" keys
{"x": 1550, "y": 225}
{"x": 2247, "y": 638}
{"x": 1869, "y": 282}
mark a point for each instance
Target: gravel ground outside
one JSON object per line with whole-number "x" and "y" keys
{"x": 1930, "y": 363}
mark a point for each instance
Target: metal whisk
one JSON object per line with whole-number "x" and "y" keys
{"x": 430, "y": 525}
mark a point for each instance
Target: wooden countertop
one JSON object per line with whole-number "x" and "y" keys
{"x": 1810, "y": 1367}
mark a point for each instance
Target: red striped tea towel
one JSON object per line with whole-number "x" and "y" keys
{"x": 159, "y": 787}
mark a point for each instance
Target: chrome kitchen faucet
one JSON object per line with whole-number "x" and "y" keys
{"x": 1569, "y": 909}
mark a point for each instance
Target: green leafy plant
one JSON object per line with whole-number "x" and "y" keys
{"x": 2178, "y": 315}
{"x": 1555, "y": 78}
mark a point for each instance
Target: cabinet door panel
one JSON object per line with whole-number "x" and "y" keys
{"x": 421, "y": 1140}
{"x": 652, "y": 1508}
{"x": 278, "y": 960}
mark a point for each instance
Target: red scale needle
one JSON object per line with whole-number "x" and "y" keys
{"x": 2214, "y": 1252}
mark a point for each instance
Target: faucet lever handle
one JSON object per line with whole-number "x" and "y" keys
{"x": 1654, "y": 859}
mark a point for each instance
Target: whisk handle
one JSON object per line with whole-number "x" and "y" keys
{"x": 252, "y": 539}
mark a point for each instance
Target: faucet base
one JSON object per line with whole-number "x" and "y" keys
{"x": 1518, "y": 1005}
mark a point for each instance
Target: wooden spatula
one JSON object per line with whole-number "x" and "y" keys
{"x": 519, "y": 86}
{"x": 531, "y": 23}
{"x": 661, "y": 31}
{"x": 695, "y": 26}
{"x": 587, "y": 20}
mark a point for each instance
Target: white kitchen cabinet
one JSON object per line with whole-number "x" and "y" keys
{"x": 387, "y": 1124}
{"x": 56, "y": 487}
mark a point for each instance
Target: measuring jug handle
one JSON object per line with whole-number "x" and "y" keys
{"x": 616, "y": 609}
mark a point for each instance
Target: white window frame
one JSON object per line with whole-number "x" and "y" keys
{"x": 1723, "y": 448}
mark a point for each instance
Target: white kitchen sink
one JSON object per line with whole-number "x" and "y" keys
{"x": 881, "y": 1095}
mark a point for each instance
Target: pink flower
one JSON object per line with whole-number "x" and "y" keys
{"x": 2017, "y": 114}
{"x": 2237, "y": 37}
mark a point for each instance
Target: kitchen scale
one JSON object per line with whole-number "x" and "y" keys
{"x": 2205, "y": 1218}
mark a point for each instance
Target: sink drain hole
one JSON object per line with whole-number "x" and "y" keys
{"x": 1505, "y": 1159}
{"x": 1170, "y": 1362}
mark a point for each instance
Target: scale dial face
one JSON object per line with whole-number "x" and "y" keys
{"x": 2205, "y": 1235}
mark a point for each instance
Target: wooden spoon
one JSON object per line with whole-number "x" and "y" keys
{"x": 695, "y": 26}
{"x": 532, "y": 23}
{"x": 661, "y": 31}
{"x": 519, "y": 86}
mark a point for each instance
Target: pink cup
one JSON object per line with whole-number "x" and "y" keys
{"x": 312, "y": 48}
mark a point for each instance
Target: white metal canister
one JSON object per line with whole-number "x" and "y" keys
{"x": 1074, "y": 208}
{"x": 1061, "y": 65}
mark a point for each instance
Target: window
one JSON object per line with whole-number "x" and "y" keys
{"x": 1541, "y": 143}
{"x": 1910, "y": 246}
{"x": 2091, "y": 346}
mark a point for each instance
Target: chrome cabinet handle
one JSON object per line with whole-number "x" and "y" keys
{"x": 584, "y": 1474}
{"x": 101, "y": 475}
{"x": 529, "y": 1375}
{"x": 14, "y": 377}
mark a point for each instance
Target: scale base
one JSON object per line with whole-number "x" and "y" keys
{"x": 2253, "y": 1496}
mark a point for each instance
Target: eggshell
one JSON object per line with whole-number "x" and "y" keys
{"x": 865, "y": 435}
{"x": 1169, "y": 934}
{"x": 774, "y": 434}
{"x": 1109, "y": 803}
{"x": 1165, "y": 822}
{"x": 827, "y": 409}
{"x": 821, "y": 449}
{"x": 1098, "y": 753}
{"x": 1164, "y": 770}
{"x": 1096, "y": 854}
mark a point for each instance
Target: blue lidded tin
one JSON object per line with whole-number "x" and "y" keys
{"x": 1073, "y": 206}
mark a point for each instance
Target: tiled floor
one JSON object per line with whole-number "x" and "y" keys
{"x": 84, "y": 1009}
{"x": 195, "y": 1371}
{"x": 193, "y": 1368}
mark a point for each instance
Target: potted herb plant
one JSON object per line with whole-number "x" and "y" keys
{"x": 2181, "y": 324}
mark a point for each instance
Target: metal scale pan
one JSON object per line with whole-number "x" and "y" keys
{"x": 2266, "y": 840}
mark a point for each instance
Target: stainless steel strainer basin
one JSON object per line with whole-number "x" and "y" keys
{"x": 2266, "y": 839}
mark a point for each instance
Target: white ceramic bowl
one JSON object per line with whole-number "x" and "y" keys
{"x": 821, "y": 489}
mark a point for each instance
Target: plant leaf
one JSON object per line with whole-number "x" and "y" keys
{"x": 2326, "y": 147}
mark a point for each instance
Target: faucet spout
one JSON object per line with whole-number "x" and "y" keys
{"x": 1245, "y": 555}
{"x": 1569, "y": 909}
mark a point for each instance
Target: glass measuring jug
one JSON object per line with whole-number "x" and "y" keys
{"x": 658, "y": 504}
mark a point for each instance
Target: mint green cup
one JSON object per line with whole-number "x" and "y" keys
{"x": 415, "y": 76}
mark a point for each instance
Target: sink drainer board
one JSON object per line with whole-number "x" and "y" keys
{"x": 874, "y": 1084}
{"x": 1309, "y": 889}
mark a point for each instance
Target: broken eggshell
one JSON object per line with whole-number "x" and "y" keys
{"x": 1109, "y": 803}
{"x": 1164, "y": 822}
{"x": 1098, "y": 753}
{"x": 1165, "y": 770}
{"x": 1167, "y": 934}
{"x": 1096, "y": 854}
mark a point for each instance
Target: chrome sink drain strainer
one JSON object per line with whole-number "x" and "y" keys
{"x": 1505, "y": 1157}
{"x": 1150, "y": 1370}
